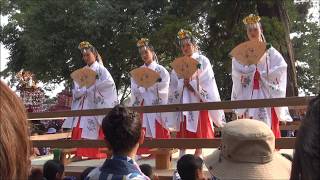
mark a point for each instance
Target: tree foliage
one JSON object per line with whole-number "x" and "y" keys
{"x": 43, "y": 36}
{"x": 306, "y": 44}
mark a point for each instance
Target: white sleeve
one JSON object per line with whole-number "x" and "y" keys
{"x": 136, "y": 97}
{"x": 104, "y": 81}
{"x": 78, "y": 92}
{"x": 208, "y": 91}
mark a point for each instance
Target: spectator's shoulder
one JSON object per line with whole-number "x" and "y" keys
{"x": 176, "y": 176}
{"x": 135, "y": 176}
{"x": 94, "y": 174}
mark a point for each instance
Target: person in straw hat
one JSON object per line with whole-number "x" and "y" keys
{"x": 265, "y": 79}
{"x": 157, "y": 94}
{"x": 247, "y": 152}
{"x": 102, "y": 94}
{"x": 201, "y": 87}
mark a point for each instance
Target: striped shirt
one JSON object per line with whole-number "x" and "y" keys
{"x": 117, "y": 168}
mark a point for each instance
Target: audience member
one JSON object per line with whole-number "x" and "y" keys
{"x": 85, "y": 173}
{"x": 306, "y": 159}
{"x": 247, "y": 151}
{"x": 288, "y": 156}
{"x": 189, "y": 167}
{"x": 51, "y": 130}
{"x": 148, "y": 171}
{"x": 36, "y": 174}
{"x": 15, "y": 147}
{"x": 53, "y": 170}
{"x": 123, "y": 134}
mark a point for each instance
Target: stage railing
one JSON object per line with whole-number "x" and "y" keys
{"x": 296, "y": 103}
{"x": 281, "y": 143}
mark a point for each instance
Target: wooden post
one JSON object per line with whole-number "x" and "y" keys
{"x": 163, "y": 157}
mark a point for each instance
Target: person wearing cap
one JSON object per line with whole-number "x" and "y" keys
{"x": 264, "y": 80}
{"x": 201, "y": 87}
{"x": 157, "y": 94}
{"x": 247, "y": 151}
{"x": 51, "y": 130}
{"x": 102, "y": 94}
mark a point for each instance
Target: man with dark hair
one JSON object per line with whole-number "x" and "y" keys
{"x": 123, "y": 135}
{"x": 190, "y": 167}
{"x": 53, "y": 170}
{"x": 148, "y": 171}
{"x": 36, "y": 174}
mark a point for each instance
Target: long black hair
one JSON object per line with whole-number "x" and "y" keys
{"x": 306, "y": 160}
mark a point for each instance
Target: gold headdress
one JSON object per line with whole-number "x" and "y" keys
{"x": 182, "y": 34}
{"x": 143, "y": 42}
{"x": 185, "y": 35}
{"x": 251, "y": 19}
{"x": 84, "y": 45}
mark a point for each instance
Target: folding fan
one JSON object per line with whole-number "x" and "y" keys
{"x": 145, "y": 77}
{"x": 84, "y": 77}
{"x": 185, "y": 67}
{"x": 249, "y": 52}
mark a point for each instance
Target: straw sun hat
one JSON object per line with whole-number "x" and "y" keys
{"x": 247, "y": 152}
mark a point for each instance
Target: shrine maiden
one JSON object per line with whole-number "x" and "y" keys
{"x": 264, "y": 80}
{"x": 157, "y": 94}
{"x": 201, "y": 87}
{"x": 102, "y": 94}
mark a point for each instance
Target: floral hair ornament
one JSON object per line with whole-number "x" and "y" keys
{"x": 84, "y": 45}
{"x": 143, "y": 42}
{"x": 185, "y": 36}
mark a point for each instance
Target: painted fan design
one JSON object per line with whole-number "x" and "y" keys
{"x": 145, "y": 77}
{"x": 84, "y": 77}
{"x": 249, "y": 52}
{"x": 185, "y": 67}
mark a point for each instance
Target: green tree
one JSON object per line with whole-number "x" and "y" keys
{"x": 43, "y": 36}
{"x": 306, "y": 44}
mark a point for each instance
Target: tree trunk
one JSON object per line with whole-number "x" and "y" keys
{"x": 125, "y": 94}
{"x": 278, "y": 10}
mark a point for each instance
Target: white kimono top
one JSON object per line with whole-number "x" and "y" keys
{"x": 204, "y": 84}
{"x": 155, "y": 95}
{"x": 270, "y": 82}
{"x": 102, "y": 94}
